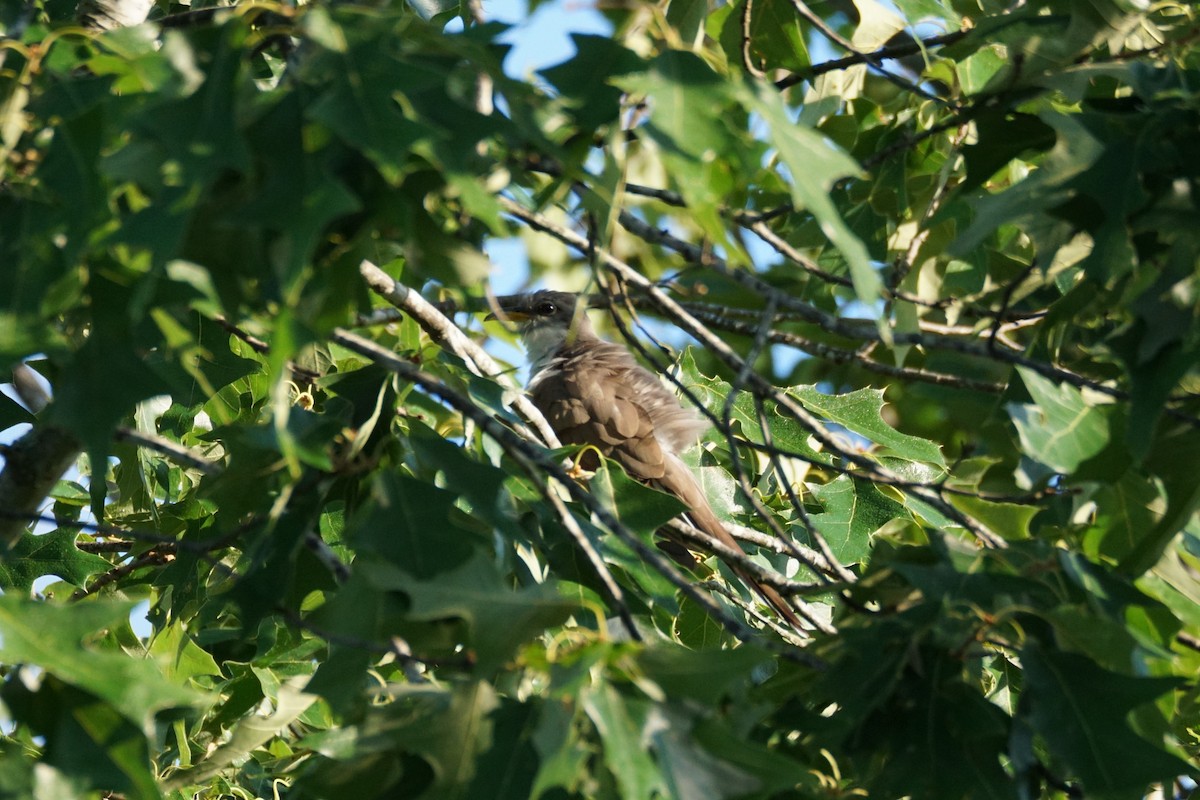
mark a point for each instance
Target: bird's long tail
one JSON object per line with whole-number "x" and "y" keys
{"x": 681, "y": 483}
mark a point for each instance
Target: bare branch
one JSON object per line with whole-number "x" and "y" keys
{"x": 827, "y": 556}
{"x": 869, "y": 58}
{"x": 450, "y": 336}
{"x": 32, "y": 466}
{"x": 152, "y": 558}
{"x": 717, "y": 319}
{"x": 741, "y": 560}
{"x": 585, "y": 545}
{"x": 176, "y": 452}
{"x": 882, "y": 54}
{"x": 856, "y": 329}
{"x": 256, "y": 344}
{"x": 747, "y": 62}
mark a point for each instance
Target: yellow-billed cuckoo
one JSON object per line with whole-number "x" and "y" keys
{"x": 593, "y": 392}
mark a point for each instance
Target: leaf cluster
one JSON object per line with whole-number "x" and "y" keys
{"x": 944, "y": 292}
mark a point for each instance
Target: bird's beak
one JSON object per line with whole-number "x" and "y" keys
{"x": 509, "y": 306}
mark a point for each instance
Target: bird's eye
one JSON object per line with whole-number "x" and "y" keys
{"x": 545, "y": 309}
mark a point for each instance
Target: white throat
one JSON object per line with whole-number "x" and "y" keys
{"x": 541, "y": 343}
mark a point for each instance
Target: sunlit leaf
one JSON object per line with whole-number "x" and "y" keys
{"x": 53, "y": 638}
{"x": 51, "y": 553}
{"x": 1059, "y": 429}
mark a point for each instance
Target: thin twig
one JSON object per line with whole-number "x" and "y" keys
{"x": 593, "y": 556}
{"x": 904, "y": 263}
{"x": 841, "y": 355}
{"x": 786, "y": 545}
{"x": 885, "y": 53}
{"x": 849, "y": 328}
{"x": 256, "y": 344}
{"x": 735, "y": 557}
{"x": 152, "y": 558}
{"x": 869, "y": 58}
{"x": 449, "y": 336}
{"x": 739, "y": 471}
{"x": 747, "y": 60}
{"x": 814, "y": 533}
{"x": 172, "y": 450}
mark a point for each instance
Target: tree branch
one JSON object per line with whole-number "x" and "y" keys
{"x": 885, "y": 53}
{"x": 852, "y": 329}
{"x": 176, "y": 452}
{"x": 32, "y": 466}
{"x": 450, "y": 337}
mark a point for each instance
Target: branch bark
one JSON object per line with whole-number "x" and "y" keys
{"x": 33, "y": 464}
{"x": 450, "y": 337}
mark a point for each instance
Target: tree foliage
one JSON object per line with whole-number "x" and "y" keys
{"x": 941, "y": 292}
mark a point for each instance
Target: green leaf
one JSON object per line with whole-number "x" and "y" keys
{"x": 500, "y": 618}
{"x": 687, "y": 17}
{"x": 482, "y": 493}
{"x": 1174, "y": 457}
{"x": 860, "y": 412}
{"x": 776, "y": 35}
{"x": 52, "y": 553}
{"x": 751, "y": 762}
{"x": 689, "y": 104}
{"x": 853, "y": 511}
{"x": 585, "y": 80}
{"x": 1008, "y": 520}
{"x": 637, "y": 776}
{"x": 12, "y": 412}
{"x": 506, "y": 771}
{"x": 359, "y": 100}
{"x": 565, "y": 755}
{"x": 706, "y": 676}
{"x": 1002, "y": 137}
{"x": 1126, "y": 511}
{"x": 639, "y": 507}
{"x": 105, "y": 359}
{"x": 182, "y": 658}
{"x": 446, "y": 727}
{"x": 250, "y": 733}
{"x": 52, "y": 637}
{"x": 1084, "y": 714}
{"x": 815, "y": 165}
{"x": 692, "y": 770}
{"x": 1048, "y": 187}
{"x": 412, "y": 524}
{"x": 1060, "y": 428}
{"x": 786, "y": 433}
{"x": 88, "y": 744}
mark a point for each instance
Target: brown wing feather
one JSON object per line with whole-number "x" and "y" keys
{"x": 584, "y": 405}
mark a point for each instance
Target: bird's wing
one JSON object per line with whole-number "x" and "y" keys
{"x": 585, "y": 404}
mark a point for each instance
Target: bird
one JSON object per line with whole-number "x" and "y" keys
{"x": 593, "y": 392}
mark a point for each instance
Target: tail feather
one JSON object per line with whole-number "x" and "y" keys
{"x": 679, "y": 481}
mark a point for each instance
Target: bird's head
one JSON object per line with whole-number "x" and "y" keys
{"x": 546, "y": 320}
{"x": 542, "y": 312}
